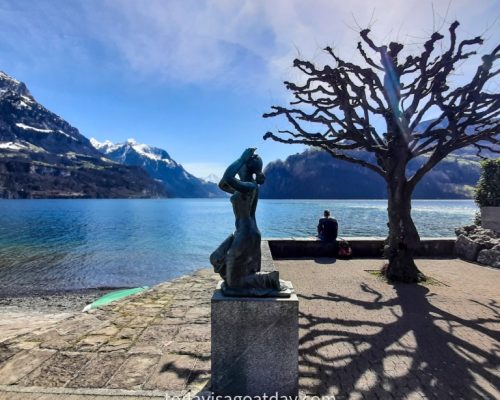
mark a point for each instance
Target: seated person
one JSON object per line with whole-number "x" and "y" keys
{"x": 327, "y": 228}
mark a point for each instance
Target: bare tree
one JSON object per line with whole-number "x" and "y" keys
{"x": 336, "y": 109}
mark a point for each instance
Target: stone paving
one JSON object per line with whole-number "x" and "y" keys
{"x": 360, "y": 338}
{"x": 158, "y": 340}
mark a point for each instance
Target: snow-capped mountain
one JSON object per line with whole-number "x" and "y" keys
{"x": 27, "y": 123}
{"x": 42, "y": 155}
{"x": 160, "y": 166}
{"x": 121, "y": 150}
{"x": 9, "y": 83}
{"x": 212, "y": 178}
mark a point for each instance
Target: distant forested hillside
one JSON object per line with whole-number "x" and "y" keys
{"x": 315, "y": 174}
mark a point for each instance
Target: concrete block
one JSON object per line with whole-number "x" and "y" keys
{"x": 490, "y": 218}
{"x": 254, "y": 345}
{"x": 267, "y": 262}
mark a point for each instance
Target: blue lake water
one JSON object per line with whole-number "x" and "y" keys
{"x": 73, "y": 244}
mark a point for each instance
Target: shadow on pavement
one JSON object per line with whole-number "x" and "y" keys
{"x": 423, "y": 351}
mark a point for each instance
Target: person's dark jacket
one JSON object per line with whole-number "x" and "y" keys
{"x": 328, "y": 229}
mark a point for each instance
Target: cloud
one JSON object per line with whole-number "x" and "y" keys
{"x": 240, "y": 43}
{"x": 186, "y": 42}
{"x": 199, "y": 39}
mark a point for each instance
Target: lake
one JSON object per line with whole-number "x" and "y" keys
{"x": 75, "y": 244}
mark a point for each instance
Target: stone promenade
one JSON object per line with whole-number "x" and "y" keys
{"x": 360, "y": 338}
{"x": 146, "y": 345}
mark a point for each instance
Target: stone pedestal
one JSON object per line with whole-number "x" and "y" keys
{"x": 254, "y": 345}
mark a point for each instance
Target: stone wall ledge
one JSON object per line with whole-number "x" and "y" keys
{"x": 362, "y": 247}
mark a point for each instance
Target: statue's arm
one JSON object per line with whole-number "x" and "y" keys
{"x": 229, "y": 183}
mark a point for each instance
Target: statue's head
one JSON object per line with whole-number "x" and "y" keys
{"x": 253, "y": 167}
{"x": 255, "y": 164}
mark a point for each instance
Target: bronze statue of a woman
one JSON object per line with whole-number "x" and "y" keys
{"x": 238, "y": 258}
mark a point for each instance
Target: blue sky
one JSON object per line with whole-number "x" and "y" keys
{"x": 194, "y": 77}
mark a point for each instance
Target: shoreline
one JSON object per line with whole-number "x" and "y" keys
{"x": 62, "y": 301}
{"x": 50, "y": 301}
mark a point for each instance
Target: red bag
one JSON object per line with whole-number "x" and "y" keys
{"x": 345, "y": 250}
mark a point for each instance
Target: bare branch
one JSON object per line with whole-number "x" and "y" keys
{"x": 325, "y": 146}
{"x": 335, "y": 109}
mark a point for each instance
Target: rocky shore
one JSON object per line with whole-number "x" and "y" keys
{"x": 50, "y": 302}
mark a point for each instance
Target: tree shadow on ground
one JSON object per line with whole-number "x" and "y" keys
{"x": 422, "y": 351}
{"x": 195, "y": 369}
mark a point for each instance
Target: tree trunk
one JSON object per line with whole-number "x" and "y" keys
{"x": 403, "y": 238}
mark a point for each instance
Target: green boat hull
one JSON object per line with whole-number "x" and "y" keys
{"x": 114, "y": 296}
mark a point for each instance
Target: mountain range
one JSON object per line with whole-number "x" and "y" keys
{"x": 160, "y": 166}
{"x": 314, "y": 174}
{"x": 43, "y": 156}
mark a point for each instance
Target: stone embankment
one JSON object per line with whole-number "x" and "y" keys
{"x": 477, "y": 244}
